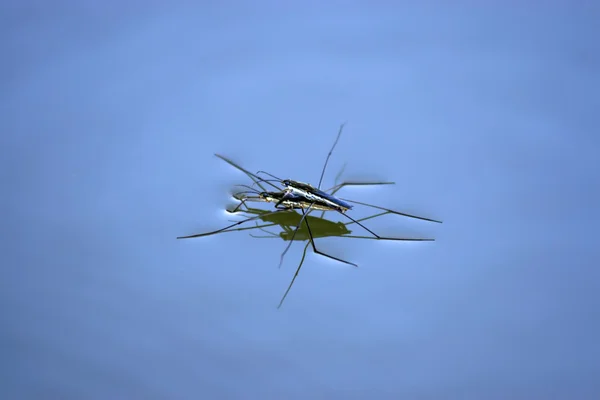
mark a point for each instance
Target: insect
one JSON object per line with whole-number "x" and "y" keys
{"x": 307, "y": 200}
{"x": 287, "y": 201}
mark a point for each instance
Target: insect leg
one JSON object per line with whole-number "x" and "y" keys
{"x": 249, "y": 228}
{"x": 283, "y": 198}
{"x": 312, "y": 241}
{"x": 304, "y": 214}
{"x": 337, "y": 187}
{"x": 329, "y": 155}
{"x": 231, "y": 226}
{"x": 242, "y": 202}
{"x": 369, "y": 217}
{"x": 384, "y": 237}
{"x": 392, "y": 211}
{"x": 339, "y": 174}
{"x": 295, "y": 275}
{"x": 254, "y": 178}
{"x": 262, "y": 228}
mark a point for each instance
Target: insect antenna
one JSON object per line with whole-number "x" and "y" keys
{"x": 329, "y": 155}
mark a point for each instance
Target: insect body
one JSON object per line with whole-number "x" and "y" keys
{"x": 282, "y": 200}
{"x": 314, "y": 194}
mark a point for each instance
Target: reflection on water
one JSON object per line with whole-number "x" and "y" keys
{"x": 294, "y": 227}
{"x": 288, "y": 221}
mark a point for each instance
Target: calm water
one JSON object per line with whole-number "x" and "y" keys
{"x": 485, "y": 117}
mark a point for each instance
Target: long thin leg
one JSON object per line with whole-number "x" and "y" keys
{"x": 262, "y": 228}
{"x": 312, "y": 241}
{"x": 252, "y": 176}
{"x": 260, "y": 200}
{"x": 304, "y": 214}
{"x": 383, "y": 237}
{"x": 339, "y": 174}
{"x": 392, "y": 211}
{"x": 336, "y": 188}
{"x": 286, "y": 196}
{"x": 249, "y": 228}
{"x": 329, "y": 155}
{"x": 242, "y": 202}
{"x": 342, "y": 236}
{"x": 273, "y": 235}
{"x": 270, "y": 236}
{"x": 369, "y": 217}
{"x": 231, "y": 226}
{"x": 295, "y": 275}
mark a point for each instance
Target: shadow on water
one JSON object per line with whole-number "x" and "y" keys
{"x": 319, "y": 227}
{"x": 295, "y": 228}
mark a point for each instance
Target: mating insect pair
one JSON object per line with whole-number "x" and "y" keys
{"x": 304, "y": 197}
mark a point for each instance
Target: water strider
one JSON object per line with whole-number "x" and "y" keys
{"x": 306, "y": 198}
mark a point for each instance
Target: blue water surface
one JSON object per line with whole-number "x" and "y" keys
{"x": 485, "y": 116}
